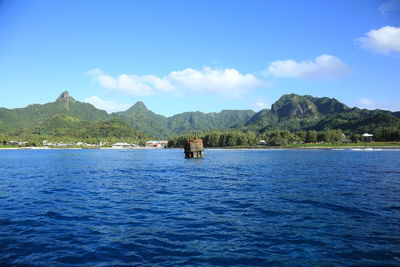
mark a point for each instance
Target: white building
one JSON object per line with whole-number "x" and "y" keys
{"x": 366, "y": 137}
{"x": 157, "y": 144}
{"x": 122, "y": 145}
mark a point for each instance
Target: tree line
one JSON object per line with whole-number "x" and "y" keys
{"x": 213, "y": 138}
{"x": 281, "y": 137}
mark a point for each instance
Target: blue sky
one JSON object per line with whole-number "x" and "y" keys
{"x": 181, "y": 56}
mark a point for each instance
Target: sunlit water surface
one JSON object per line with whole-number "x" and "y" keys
{"x": 243, "y": 207}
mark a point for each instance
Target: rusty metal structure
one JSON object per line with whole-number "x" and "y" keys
{"x": 194, "y": 148}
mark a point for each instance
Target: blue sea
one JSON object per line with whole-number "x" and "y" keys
{"x": 234, "y": 207}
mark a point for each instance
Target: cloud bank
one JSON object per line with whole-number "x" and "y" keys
{"x": 259, "y": 105}
{"x": 383, "y": 41}
{"x": 366, "y": 103}
{"x": 321, "y": 68}
{"x": 226, "y": 82}
{"x": 370, "y": 104}
{"x": 109, "y": 106}
{"x": 132, "y": 84}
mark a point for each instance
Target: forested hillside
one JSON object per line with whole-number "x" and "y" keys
{"x": 69, "y": 118}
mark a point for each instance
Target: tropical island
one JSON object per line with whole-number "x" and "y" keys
{"x": 293, "y": 121}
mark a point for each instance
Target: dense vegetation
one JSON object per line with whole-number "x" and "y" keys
{"x": 296, "y": 113}
{"x": 281, "y": 137}
{"x": 250, "y": 138}
{"x": 139, "y": 117}
{"x": 19, "y": 120}
{"x": 69, "y": 130}
{"x": 292, "y": 119}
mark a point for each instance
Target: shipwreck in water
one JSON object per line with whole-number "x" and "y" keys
{"x": 194, "y": 148}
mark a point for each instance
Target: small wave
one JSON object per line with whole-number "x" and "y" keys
{"x": 376, "y": 149}
{"x": 336, "y": 207}
{"x": 367, "y": 149}
{"x": 58, "y": 216}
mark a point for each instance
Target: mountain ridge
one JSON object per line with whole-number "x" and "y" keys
{"x": 290, "y": 112}
{"x": 295, "y": 112}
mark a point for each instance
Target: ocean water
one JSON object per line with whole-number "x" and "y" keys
{"x": 234, "y": 207}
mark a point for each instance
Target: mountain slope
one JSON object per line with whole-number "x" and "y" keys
{"x": 291, "y": 112}
{"x": 190, "y": 121}
{"x": 294, "y": 106}
{"x": 359, "y": 121}
{"x": 294, "y": 112}
{"x": 59, "y": 116}
{"x": 145, "y": 120}
{"x": 14, "y": 120}
{"x": 262, "y": 121}
{"x": 73, "y": 127}
{"x": 141, "y": 118}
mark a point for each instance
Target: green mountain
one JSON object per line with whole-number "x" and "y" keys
{"x": 68, "y": 117}
{"x": 262, "y": 121}
{"x": 294, "y": 112}
{"x": 295, "y": 106}
{"x": 141, "y": 118}
{"x": 196, "y": 121}
{"x": 21, "y": 119}
{"x": 326, "y": 105}
{"x": 67, "y": 126}
{"x": 59, "y": 117}
{"x": 359, "y": 121}
{"x": 111, "y": 128}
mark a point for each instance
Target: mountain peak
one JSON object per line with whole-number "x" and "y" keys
{"x": 64, "y": 97}
{"x": 138, "y": 106}
{"x": 292, "y": 105}
{"x": 306, "y": 105}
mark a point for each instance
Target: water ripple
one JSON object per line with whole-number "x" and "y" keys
{"x": 235, "y": 207}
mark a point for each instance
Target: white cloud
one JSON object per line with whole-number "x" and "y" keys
{"x": 366, "y": 103}
{"x": 261, "y": 105}
{"x": 132, "y": 84}
{"x": 389, "y": 6}
{"x": 393, "y": 106}
{"x": 384, "y": 40}
{"x": 369, "y": 104}
{"x": 109, "y": 106}
{"x": 227, "y": 82}
{"x": 323, "y": 67}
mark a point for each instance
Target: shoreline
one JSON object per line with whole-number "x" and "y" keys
{"x": 307, "y": 148}
{"x": 77, "y": 148}
{"x": 214, "y": 148}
